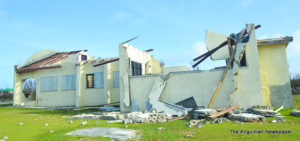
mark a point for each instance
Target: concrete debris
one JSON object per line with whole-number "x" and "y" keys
{"x": 109, "y": 116}
{"x": 161, "y": 128}
{"x": 280, "y": 108}
{"x": 113, "y": 133}
{"x": 295, "y": 113}
{"x": 199, "y": 125}
{"x": 83, "y": 123}
{"x": 114, "y": 121}
{"x": 46, "y": 124}
{"x": 190, "y": 135}
{"x": 204, "y": 113}
{"x": 217, "y": 120}
{"x": 51, "y": 131}
{"x": 265, "y": 113}
{"x": 246, "y": 117}
{"x": 274, "y": 121}
{"x": 20, "y": 123}
{"x": 280, "y": 119}
{"x": 71, "y": 122}
{"x": 4, "y": 137}
{"x": 139, "y": 117}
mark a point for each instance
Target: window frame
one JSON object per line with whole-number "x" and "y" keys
{"x": 93, "y": 80}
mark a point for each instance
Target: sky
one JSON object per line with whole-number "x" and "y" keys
{"x": 175, "y": 29}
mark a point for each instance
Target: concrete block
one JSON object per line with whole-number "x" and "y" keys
{"x": 295, "y": 113}
{"x": 246, "y": 117}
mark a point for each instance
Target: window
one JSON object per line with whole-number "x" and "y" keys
{"x": 95, "y": 80}
{"x": 116, "y": 77}
{"x": 48, "y": 84}
{"x": 136, "y": 68}
{"x": 243, "y": 62}
{"x": 68, "y": 82}
{"x": 83, "y": 57}
{"x": 90, "y": 81}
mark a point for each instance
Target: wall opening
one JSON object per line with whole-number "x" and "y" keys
{"x": 29, "y": 89}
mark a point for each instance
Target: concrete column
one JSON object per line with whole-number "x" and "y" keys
{"x": 106, "y": 84}
{"x": 79, "y": 85}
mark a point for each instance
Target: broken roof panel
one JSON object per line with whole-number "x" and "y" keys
{"x": 46, "y": 63}
{"x": 214, "y": 39}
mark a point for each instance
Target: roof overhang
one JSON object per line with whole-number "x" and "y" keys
{"x": 272, "y": 41}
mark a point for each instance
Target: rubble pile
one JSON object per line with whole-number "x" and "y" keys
{"x": 266, "y": 111}
{"x": 133, "y": 117}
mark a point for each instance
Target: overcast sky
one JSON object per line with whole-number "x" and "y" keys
{"x": 175, "y": 29}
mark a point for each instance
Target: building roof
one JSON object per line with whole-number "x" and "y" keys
{"x": 46, "y": 63}
{"x": 6, "y": 90}
{"x": 281, "y": 40}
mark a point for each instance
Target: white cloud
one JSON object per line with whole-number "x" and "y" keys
{"x": 199, "y": 48}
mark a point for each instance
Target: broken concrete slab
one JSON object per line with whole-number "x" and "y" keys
{"x": 295, "y": 113}
{"x": 246, "y": 117}
{"x": 113, "y": 133}
{"x": 265, "y": 113}
{"x": 205, "y": 112}
{"x": 157, "y": 89}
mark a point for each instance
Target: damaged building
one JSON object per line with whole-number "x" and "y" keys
{"x": 256, "y": 73}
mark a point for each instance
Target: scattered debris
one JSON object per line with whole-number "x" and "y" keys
{"x": 46, "y": 124}
{"x": 51, "y": 131}
{"x": 114, "y": 121}
{"x": 199, "y": 125}
{"x": 280, "y": 119}
{"x": 295, "y": 113}
{"x": 4, "y": 137}
{"x": 108, "y": 116}
{"x": 161, "y": 128}
{"x": 113, "y": 133}
{"x": 189, "y": 135}
{"x": 83, "y": 123}
{"x": 280, "y": 108}
{"x": 20, "y": 123}
{"x": 71, "y": 122}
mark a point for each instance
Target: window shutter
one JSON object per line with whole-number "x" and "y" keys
{"x": 48, "y": 84}
{"x": 98, "y": 80}
{"x": 64, "y": 82}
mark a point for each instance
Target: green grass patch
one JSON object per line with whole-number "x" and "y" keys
{"x": 34, "y": 119}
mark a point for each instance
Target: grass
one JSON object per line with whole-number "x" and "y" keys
{"x": 34, "y": 119}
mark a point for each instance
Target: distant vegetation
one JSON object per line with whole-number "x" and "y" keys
{"x": 295, "y": 84}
